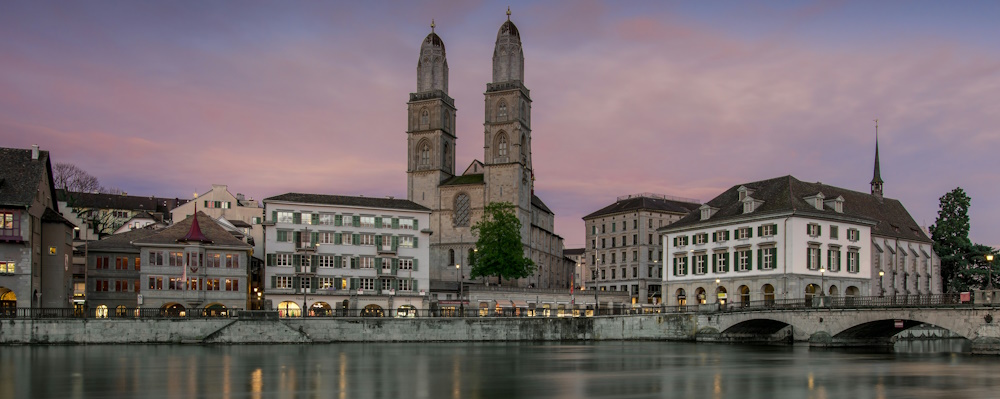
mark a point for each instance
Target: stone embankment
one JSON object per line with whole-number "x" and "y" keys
{"x": 326, "y": 330}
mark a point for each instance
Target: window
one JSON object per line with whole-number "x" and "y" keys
{"x": 768, "y": 257}
{"x": 406, "y": 224}
{"x": 326, "y": 283}
{"x": 121, "y": 263}
{"x": 284, "y": 217}
{"x": 720, "y": 236}
{"x": 624, "y": 225}
{"x": 406, "y": 241}
{"x": 680, "y": 265}
{"x": 635, "y": 256}
{"x": 853, "y": 264}
{"x": 502, "y": 146}
{"x": 121, "y": 285}
{"x": 327, "y": 238}
{"x": 680, "y": 241}
{"x": 213, "y": 260}
{"x": 461, "y": 213}
{"x": 834, "y": 233}
{"x": 306, "y": 218}
{"x": 604, "y": 274}
{"x": 366, "y": 262}
{"x": 156, "y": 283}
{"x": 700, "y": 263}
{"x": 156, "y": 258}
{"x": 405, "y": 264}
{"x": 425, "y": 154}
{"x": 367, "y": 284}
{"x": 212, "y": 284}
{"x": 700, "y": 238}
{"x": 386, "y": 284}
{"x": 7, "y": 267}
{"x": 10, "y": 224}
{"x": 613, "y": 241}
{"x": 853, "y": 235}
{"x": 305, "y": 284}
{"x": 326, "y": 261}
{"x": 744, "y": 233}
{"x": 603, "y": 258}
{"x": 102, "y": 263}
{"x": 650, "y": 239}
{"x": 101, "y": 285}
{"x": 833, "y": 259}
{"x": 305, "y": 261}
{"x": 602, "y": 229}
{"x": 721, "y": 262}
{"x": 283, "y": 236}
{"x": 613, "y": 257}
{"x": 635, "y": 239}
{"x": 386, "y": 264}
{"x": 635, "y": 272}
{"x": 425, "y": 118}
{"x": 346, "y": 238}
{"x": 405, "y": 285}
{"x": 283, "y": 282}
{"x": 743, "y": 260}
{"x": 502, "y": 111}
{"x": 613, "y": 270}
{"x": 768, "y": 230}
{"x": 283, "y": 259}
{"x": 175, "y": 283}
{"x": 812, "y": 261}
{"x": 614, "y": 227}
{"x": 813, "y": 230}
{"x": 366, "y": 239}
{"x": 368, "y": 221}
{"x": 326, "y": 218}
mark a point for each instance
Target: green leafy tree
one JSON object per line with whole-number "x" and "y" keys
{"x": 976, "y": 274}
{"x": 950, "y": 233}
{"x": 499, "y": 251}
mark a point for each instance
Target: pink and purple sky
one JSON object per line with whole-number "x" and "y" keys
{"x": 679, "y": 98}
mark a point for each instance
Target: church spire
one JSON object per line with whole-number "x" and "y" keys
{"x": 877, "y": 177}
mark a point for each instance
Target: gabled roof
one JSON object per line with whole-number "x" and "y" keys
{"x": 51, "y": 216}
{"x": 121, "y": 241}
{"x": 537, "y": 202}
{"x": 787, "y": 194}
{"x": 118, "y": 201}
{"x": 208, "y": 226}
{"x": 364, "y": 202}
{"x": 20, "y": 176}
{"x": 645, "y": 204}
{"x": 475, "y": 167}
{"x": 475, "y": 178}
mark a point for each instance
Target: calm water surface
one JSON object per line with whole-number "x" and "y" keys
{"x": 470, "y": 370}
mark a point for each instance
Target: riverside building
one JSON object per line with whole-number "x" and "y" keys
{"x": 333, "y": 254}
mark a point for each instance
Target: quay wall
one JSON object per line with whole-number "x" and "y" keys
{"x": 325, "y": 330}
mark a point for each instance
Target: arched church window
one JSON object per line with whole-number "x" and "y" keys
{"x": 425, "y": 118}
{"x": 462, "y": 214}
{"x": 502, "y": 146}
{"x": 425, "y": 154}
{"x": 502, "y": 111}
{"x": 447, "y": 119}
{"x": 451, "y": 256}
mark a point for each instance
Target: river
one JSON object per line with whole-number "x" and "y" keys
{"x": 618, "y": 370}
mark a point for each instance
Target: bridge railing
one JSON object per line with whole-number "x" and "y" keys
{"x": 851, "y": 302}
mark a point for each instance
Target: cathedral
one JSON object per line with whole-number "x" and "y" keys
{"x": 457, "y": 199}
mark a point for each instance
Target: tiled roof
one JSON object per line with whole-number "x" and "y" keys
{"x": 537, "y": 202}
{"x": 20, "y": 176}
{"x": 365, "y": 202}
{"x": 121, "y": 241}
{"x": 645, "y": 204}
{"x": 573, "y": 251}
{"x": 51, "y": 216}
{"x": 475, "y": 178}
{"x": 787, "y": 194}
{"x": 118, "y": 201}
{"x": 209, "y": 227}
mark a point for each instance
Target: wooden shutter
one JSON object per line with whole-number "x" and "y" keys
{"x": 313, "y": 282}
{"x": 356, "y": 221}
{"x": 271, "y": 259}
{"x": 675, "y": 263}
{"x": 413, "y": 283}
{"x": 378, "y": 222}
{"x": 296, "y": 260}
{"x": 336, "y": 262}
{"x": 274, "y": 281}
{"x": 725, "y": 266}
{"x": 356, "y": 238}
{"x": 338, "y": 220}
{"x": 315, "y": 218}
{"x": 415, "y": 245}
{"x": 274, "y": 216}
{"x": 354, "y": 283}
{"x": 297, "y": 218}
{"x": 296, "y": 283}
{"x": 414, "y": 265}
{"x": 760, "y": 259}
{"x": 714, "y": 236}
{"x": 714, "y": 263}
{"x": 395, "y": 223}
{"x": 338, "y": 283}
{"x": 354, "y": 262}
{"x": 415, "y": 225}
{"x": 395, "y": 242}
{"x": 313, "y": 263}
{"x": 337, "y": 238}
{"x": 314, "y": 238}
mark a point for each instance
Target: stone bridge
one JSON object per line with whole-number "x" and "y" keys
{"x": 848, "y": 327}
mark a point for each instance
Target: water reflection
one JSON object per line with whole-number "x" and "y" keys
{"x": 485, "y": 371}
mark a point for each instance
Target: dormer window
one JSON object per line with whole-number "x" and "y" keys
{"x": 744, "y": 192}
{"x": 837, "y": 204}
{"x": 750, "y": 204}
{"x": 707, "y": 211}
{"x": 816, "y": 201}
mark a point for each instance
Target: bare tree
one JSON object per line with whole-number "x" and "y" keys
{"x": 70, "y": 177}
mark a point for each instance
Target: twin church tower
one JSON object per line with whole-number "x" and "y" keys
{"x": 505, "y": 174}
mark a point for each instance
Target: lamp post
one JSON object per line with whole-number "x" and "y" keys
{"x": 461, "y": 289}
{"x": 881, "y": 288}
{"x": 989, "y": 264}
{"x": 822, "y": 282}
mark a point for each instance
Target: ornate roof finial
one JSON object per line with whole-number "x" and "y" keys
{"x": 508, "y": 13}
{"x": 432, "y": 25}
{"x": 877, "y": 176}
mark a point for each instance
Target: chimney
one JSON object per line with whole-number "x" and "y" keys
{"x": 34, "y": 152}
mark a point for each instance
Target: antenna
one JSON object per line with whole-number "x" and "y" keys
{"x": 432, "y": 25}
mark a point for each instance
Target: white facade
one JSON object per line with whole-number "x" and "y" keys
{"x": 769, "y": 251}
{"x": 219, "y": 202}
{"x": 332, "y": 257}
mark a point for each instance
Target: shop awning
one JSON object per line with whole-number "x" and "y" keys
{"x": 505, "y": 303}
{"x": 520, "y": 304}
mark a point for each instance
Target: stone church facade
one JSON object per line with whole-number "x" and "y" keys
{"x": 505, "y": 174}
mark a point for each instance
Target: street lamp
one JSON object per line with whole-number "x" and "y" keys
{"x": 461, "y": 289}
{"x": 822, "y": 277}
{"x": 989, "y": 263}
{"x": 881, "y": 288}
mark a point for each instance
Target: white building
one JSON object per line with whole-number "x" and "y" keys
{"x": 343, "y": 255}
{"x": 220, "y": 203}
{"x": 786, "y": 239}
